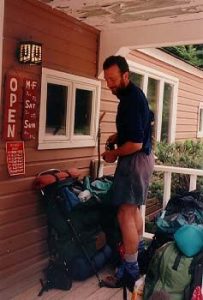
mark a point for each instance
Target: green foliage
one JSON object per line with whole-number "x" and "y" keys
{"x": 188, "y": 154}
{"x": 190, "y": 53}
{"x": 156, "y": 186}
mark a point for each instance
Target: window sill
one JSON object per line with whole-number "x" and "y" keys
{"x": 200, "y": 134}
{"x": 61, "y": 145}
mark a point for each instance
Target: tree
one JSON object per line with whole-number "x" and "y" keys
{"x": 193, "y": 54}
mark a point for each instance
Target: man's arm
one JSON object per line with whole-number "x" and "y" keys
{"x": 126, "y": 149}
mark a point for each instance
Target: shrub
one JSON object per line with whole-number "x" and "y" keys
{"x": 188, "y": 154}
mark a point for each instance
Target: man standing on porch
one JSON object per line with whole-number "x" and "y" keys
{"x": 133, "y": 149}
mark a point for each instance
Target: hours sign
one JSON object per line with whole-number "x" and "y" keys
{"x": 30, "y": 100}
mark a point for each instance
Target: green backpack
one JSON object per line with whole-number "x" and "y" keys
{"x": 168, "y": 271}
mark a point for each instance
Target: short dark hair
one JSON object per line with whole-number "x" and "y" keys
{"x": 118, "y": 60}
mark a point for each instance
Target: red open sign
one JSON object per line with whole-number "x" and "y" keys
{"x": 11, "y": 108}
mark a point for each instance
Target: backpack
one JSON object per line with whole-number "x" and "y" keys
{"x": 74, "y": 235}
{"x": 169, "y": 271}
{"x": 181, "y": 209}
{"x": 65, "y": 213}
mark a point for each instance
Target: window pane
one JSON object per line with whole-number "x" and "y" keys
{"x": 56, "y": 109}
{"x": 83, "y": 109}
{"x": 201, "y": 120}
{"x": 137, "y": 79}
{"x": 152, "y": 91}
{"x": 168, "y": 89}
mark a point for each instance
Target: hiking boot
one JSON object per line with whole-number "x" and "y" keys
{"x": 132, "y": 268}
{"x": 126, "y": 275}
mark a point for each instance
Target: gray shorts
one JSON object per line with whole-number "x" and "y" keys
{"x": 131, "y": 179}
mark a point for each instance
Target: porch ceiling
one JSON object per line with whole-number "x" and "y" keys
{"x": 130, "y": 24}
{"x": 112, "y": 14}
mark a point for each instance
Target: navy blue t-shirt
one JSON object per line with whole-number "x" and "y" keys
{"x": 133, "y": 118}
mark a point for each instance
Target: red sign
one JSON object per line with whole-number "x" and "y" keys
{"x": 11, "y": 108}
{"x": 15, "y": 158}
{"x": 30, "y": 109}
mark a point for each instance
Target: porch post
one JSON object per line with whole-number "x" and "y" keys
{"x": 193, "y": 182}
{"x": 167, "y": 188}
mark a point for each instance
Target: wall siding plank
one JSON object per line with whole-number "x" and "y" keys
{"x": 68, "y": 46}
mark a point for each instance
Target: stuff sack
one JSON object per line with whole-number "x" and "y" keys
{"x": 181, "y": 210}
{"x": 169, "y": 271}
{"x": 82, "y": 268}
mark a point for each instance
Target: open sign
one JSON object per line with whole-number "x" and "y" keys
{"x": 11, "y": 108}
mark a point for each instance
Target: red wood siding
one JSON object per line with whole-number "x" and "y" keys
{"x": 68, "y": 46}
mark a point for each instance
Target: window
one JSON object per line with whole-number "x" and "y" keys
{"x": 167, "y": 98}
{"x": 69, "y": 110}
{"x": 136, "y": 79}
{"x": 200, "y": 121}
{"x": 161, "y": 92}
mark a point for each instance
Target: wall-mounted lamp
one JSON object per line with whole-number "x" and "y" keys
{"x": 30, "y": 52}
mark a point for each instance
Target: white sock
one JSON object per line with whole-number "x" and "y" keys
{"x": 131, "y": 257}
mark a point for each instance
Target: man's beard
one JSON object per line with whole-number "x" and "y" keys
{"x": 119, "y": 89}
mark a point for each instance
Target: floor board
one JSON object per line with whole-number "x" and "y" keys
{"x": 85, "y": 290}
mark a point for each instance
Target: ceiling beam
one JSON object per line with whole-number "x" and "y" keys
{"x": 184, "y": 32}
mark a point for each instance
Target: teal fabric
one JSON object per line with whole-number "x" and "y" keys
{"x": 189, "y": 239}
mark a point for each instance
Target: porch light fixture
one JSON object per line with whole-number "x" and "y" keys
{"x": 30, "y": 52}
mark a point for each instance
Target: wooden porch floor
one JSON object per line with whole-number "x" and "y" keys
{"x": 85, "y": 290}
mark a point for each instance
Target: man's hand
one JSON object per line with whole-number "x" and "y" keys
{"x": 112, "y": 139}
{"x": 109, "y": 156}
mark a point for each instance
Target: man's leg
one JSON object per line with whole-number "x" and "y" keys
{"x": 130, "y": 227}
{"x": 130, "y": 237}
{"x": 138, "y": 222}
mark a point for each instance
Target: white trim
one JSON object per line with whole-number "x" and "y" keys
{"x": 171, "y": 60}
{"x": 1, "y": 41}
{"x": 200, "y": 132}
{"x": 173, "y": 32}
{"x": 159, "y": 110}
{"x": 69, "y": 140}
{"x": 173, "y": 114}
{"x": 161, "y": 78}
{"x": 142, "y": 69}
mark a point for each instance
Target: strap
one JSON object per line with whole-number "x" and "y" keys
{"x": 44, "y": 288}
{"x": 86, "y": 255}
{"x": 177, "y": 261}
{"x": 125, "y": 296}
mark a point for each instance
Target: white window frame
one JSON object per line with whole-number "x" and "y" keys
{"x": 70, "y": 140}
{"x": 147, "y": 72}
{"x": 200, "y": 132}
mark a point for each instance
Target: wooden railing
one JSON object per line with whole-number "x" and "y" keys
{"x": 168, "y": 171}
